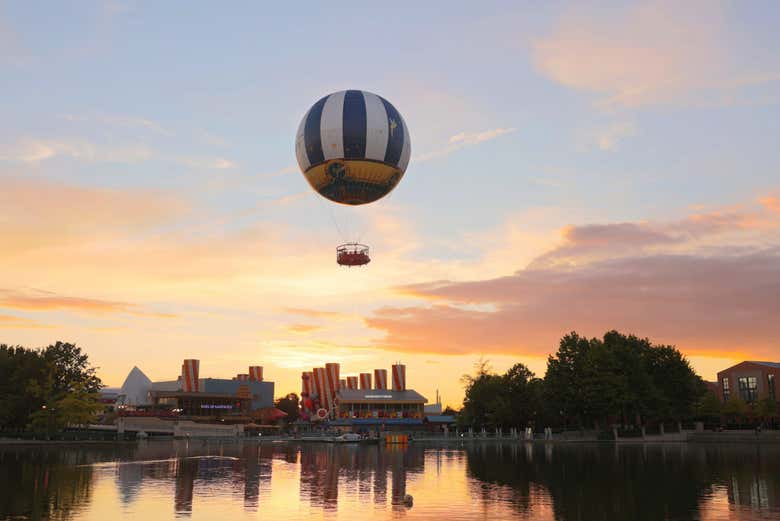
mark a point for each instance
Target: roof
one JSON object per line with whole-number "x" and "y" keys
{"x": 742, "y": 365}
{"x": 135, "y": 388}
{"x": 380, "y": 396}
{"x": 185, "y": 394}
{"x": 377, "y": 421}
{"x": 768, "y": 364}
{"x": 170, "y": 385}
{"x": 440, "y": 418}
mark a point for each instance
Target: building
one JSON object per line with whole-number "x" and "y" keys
{"x": 190, "y": 395}
{"x": 750, "y": 380}
{"x": 353, "y": 403}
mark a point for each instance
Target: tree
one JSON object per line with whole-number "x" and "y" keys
{"x": 483, "y": 403}
{"x": 709, "y": 406}
{"x": 25, "y": 383}
{"x": 52, "y": 387}
{"x": 766, "y": 408}
{"x": 79, "y": 407}
{"x": 565, "y": 375}
{"x": 619, "y": 377}
{"x": 71, "y": 368}
{"x": 449, "y": 411}
{"x": 289, "y": 404}
{"x": 735, "y": 407}
{"x": 498, "y": 401}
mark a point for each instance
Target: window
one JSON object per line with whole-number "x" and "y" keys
{"x": 726, "y": 391}
{"x": 748, "y": 388}
{"x": 770, "y": 380}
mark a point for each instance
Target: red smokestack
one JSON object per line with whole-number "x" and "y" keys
{"x": 380, "y": 379}
{"x": 399, "y": 377}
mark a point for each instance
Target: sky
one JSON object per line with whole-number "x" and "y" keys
{"x": 575, "y": 167}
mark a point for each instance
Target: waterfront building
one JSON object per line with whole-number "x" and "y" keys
{"x": 190, "y": 395}
{"x": 353, "y": 403}
{"x": 750, "y": 380}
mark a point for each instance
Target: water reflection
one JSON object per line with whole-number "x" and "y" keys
{"x": 157, "y": 480}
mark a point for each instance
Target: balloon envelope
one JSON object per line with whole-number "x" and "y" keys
{"x": 353, "y": 147}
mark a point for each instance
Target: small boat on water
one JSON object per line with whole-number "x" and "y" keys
{"x": 348, "y": 437}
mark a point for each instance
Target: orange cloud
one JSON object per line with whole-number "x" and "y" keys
{"x": 12, "y": 322}
{"x": 35, "y": 214}
{"x": 46, "y": 301}
{"x": 303, "y": 328}
{"x": 314, "y": 313}
{"x": 771, "y": 203}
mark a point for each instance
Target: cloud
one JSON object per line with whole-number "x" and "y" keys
{"x": 12, "y": 322}
{"x": 215, "y": 163}
{"x": 771, "y": 203}
{"x": 650, "y": 53}
{"x": 114, "y": 120}
{"x": 314, "y": 313}
{"x": 35, "y": 150}
{"x": 462, "y": 140}
{"x": 38, "y": 300}
{"x": 703, "y": 304}
{"x": 303, "y": 328}
{"x": 35, "y": 214}
{"x": 600, "y": 241}
{"x": 708, "y": 282}
{"x": 607, "y": 138}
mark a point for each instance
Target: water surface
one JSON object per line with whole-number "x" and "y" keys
{"x": 245, "y": 480}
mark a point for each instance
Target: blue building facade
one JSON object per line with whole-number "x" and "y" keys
{"x": 261, "y": 393}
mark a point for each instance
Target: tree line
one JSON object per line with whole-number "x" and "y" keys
{"x": 589, "y": 383}
{"x": 47, "y": 389}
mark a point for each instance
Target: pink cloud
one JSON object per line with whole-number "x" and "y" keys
{"x": 709, "y": 282}
{"x": 716, "y": 303}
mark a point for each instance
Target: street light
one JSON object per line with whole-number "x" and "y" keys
{"x": 48, "y": 420}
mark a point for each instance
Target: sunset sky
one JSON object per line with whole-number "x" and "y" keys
{"x": 573, "y": 168}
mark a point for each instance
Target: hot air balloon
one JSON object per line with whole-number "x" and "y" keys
{"x": 353, "y": 147}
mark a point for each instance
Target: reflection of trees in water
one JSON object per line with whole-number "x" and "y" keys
{"x": 621, "y": 482}
{"x": 49, "y": 482}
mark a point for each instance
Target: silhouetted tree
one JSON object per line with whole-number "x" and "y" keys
{"x": 46, "y": 388}
{"x": 289, "y": 404}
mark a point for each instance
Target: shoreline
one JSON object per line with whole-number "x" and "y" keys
{"x": 712, "y": 438}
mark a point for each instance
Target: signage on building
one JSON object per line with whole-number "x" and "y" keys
{"x": 378, "y": 396}
{"x": 243, "y": 391}
{"x": 215, "y": 406}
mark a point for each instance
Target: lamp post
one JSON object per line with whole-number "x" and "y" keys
{"x": 50, "y": 411}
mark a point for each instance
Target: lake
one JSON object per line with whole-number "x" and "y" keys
{"x": 246, "y": 480}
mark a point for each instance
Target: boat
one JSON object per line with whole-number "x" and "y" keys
{"x": 348, "y": 437}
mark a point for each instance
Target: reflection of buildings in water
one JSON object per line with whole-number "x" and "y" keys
{"x": 185, "y": 470}
{"x": 380, "y": 477}
{"x": 255, "y": 467}
{"x": 129, "y": 478}
{"x": 360, "y": 471}
{"x": 756, "y": 492}
{"x": 398, "y": 479}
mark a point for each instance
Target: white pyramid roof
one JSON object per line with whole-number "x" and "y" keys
{"x": 135, "y": 390}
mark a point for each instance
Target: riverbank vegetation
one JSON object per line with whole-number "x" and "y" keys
{"x": 589, "y": 383}
{"x": 46, "y": 389}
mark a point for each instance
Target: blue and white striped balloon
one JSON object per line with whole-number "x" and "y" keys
{"x": 353, "y": 147}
